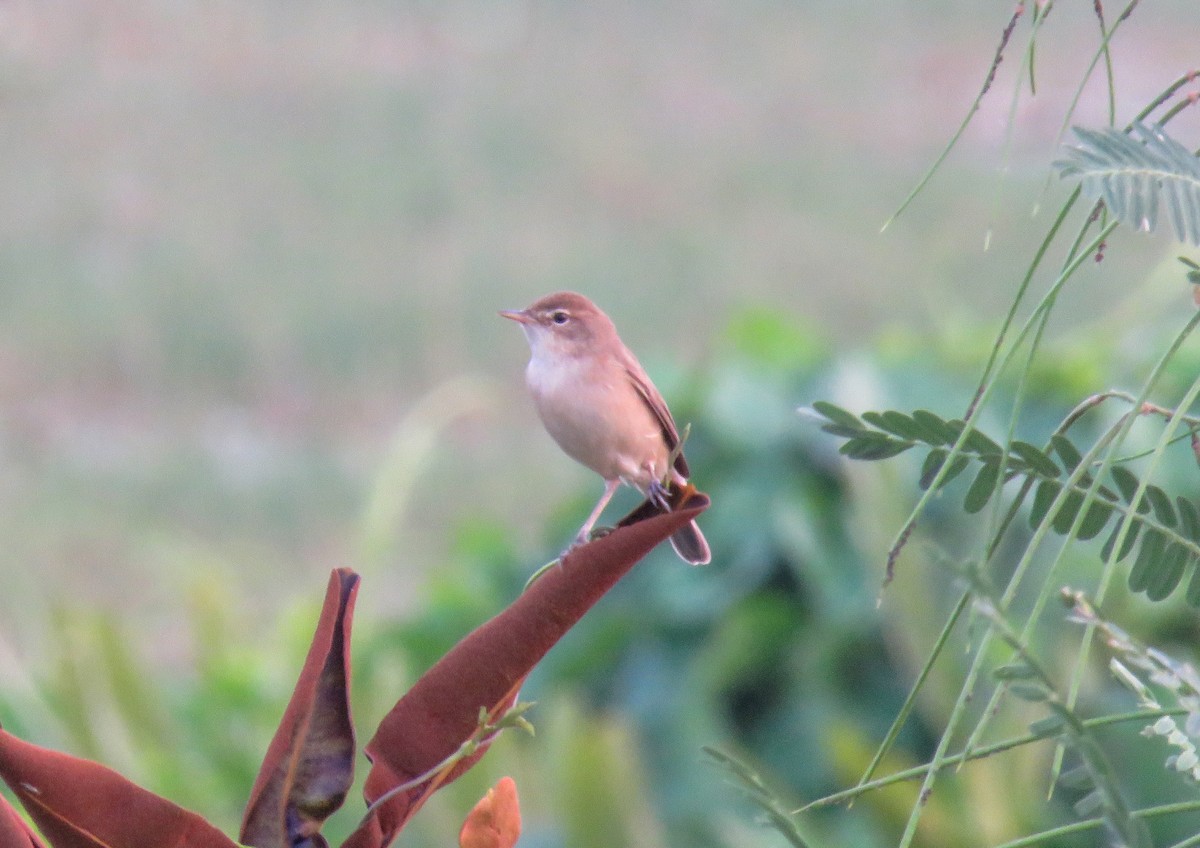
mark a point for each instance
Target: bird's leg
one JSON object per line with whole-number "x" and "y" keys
{"x": 610, "y": 486}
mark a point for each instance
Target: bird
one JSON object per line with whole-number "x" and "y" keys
{"x": 597, "y": 402}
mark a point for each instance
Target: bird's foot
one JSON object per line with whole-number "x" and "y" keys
{"x": 658, "y": 494}
{"x": 586, "y": 535}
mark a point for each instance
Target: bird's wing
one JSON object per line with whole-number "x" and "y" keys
{"x": 654, "y": 400}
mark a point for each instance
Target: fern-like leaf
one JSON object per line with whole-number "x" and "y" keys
{"x": 775, "y": 811}
{"x": 1134, "y": 176}
{"x": 1164, "y": 532}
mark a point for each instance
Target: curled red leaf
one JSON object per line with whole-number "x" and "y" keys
{"x": 309, "y": 765}
{"x": 485, "y": 669}
{"x": 77, "y": 803}
{"x": 14, "y": 833}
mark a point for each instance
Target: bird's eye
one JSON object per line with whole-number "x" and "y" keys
{"x": 559, "y": 317}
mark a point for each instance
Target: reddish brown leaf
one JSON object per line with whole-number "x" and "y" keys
{"x": 309, "y": 764}
{"x": 14, "y": 833}
{"x": 441, "y": 710}
{"x": 495, "y": 822}
{"x": 81, "y": 804}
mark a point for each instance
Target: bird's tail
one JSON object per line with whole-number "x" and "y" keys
{"x": 691, "y": 545}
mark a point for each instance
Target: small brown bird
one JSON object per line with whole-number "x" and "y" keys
{"x": 598, "y": 404}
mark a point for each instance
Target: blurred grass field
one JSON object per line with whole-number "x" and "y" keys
{"x": 251, "y": 255}
{"x": 241, "y": 243}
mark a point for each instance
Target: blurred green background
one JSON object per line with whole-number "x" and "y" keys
{"x": 250, "y": 260}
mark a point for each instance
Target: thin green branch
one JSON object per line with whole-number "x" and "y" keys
{"x": 1127, "y": 522}
{"x": 998, "y": 526}
{"x": 1026, "y": 561}
{"x": 1114, "y": 436}
{"x": 759, "y": 794}
{"x": 986, "y": 389}
{"x": 962, "y": 127}
{"x": 1102, "y": 52}
{"x": 1190, "y": 842}
{"x": 958, "y": 710}
{"x": 1109, "y": 76}
{"x": 1092, "y": 824}
{"x": 1118, "y": 814}
{"x": 486, "y": 729}
{"x": 911, "y": 700}
{"x": 983, "y": 752}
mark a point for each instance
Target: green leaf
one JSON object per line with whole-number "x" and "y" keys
{"x": 1189, "y": 519}
{"x": 1169, "y": 571}
{"x": 1127, "y": 482}
{"x": 842, "y": 423}
{"x": 957, "y": 467}
{"x": 1030, "y": 692}
{"x": 979, "y": 443}
{"x": 1051, "y": 725}
{"x": 1193, "y": 589}
{"x": 1193, "y": 274}
{"x": 1043, "y": 496}
{"x": 1035, "y": 459}
{"x": 1065, "y": 517}
{"x": 1161, "y": 503}
{"x": 935, "y": 431}
{"x": 872, "y": 446}
{"x": 1126, "y": 546}
{"x": 1148, "y": 559}
{"x": 982, "y": 487}
{"x": 896, "y": 423}
{"x": 1014, "y": 671}
{"x": 955, "y": 426}
{"x": 874, "y": 419}
{"x": 1135, "y": 176}
{"x": 1090, "y": 804}
{"x": 1077, "y": 778}
{"x": 933, "y": 463}
{"x": 1066, "y": 451}
{"x": 1094, "y": 519}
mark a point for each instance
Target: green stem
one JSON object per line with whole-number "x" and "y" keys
{"x": 910, "y": 701}
{"x": 983, "y": 752}
{"x": 1091, "y": 824}
{"x": 962, "y": 127}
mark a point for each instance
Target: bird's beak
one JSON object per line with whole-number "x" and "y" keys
{"x": 518, "y": 315}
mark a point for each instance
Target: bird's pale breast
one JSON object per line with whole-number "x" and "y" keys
{"x": 598, "y": 418}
